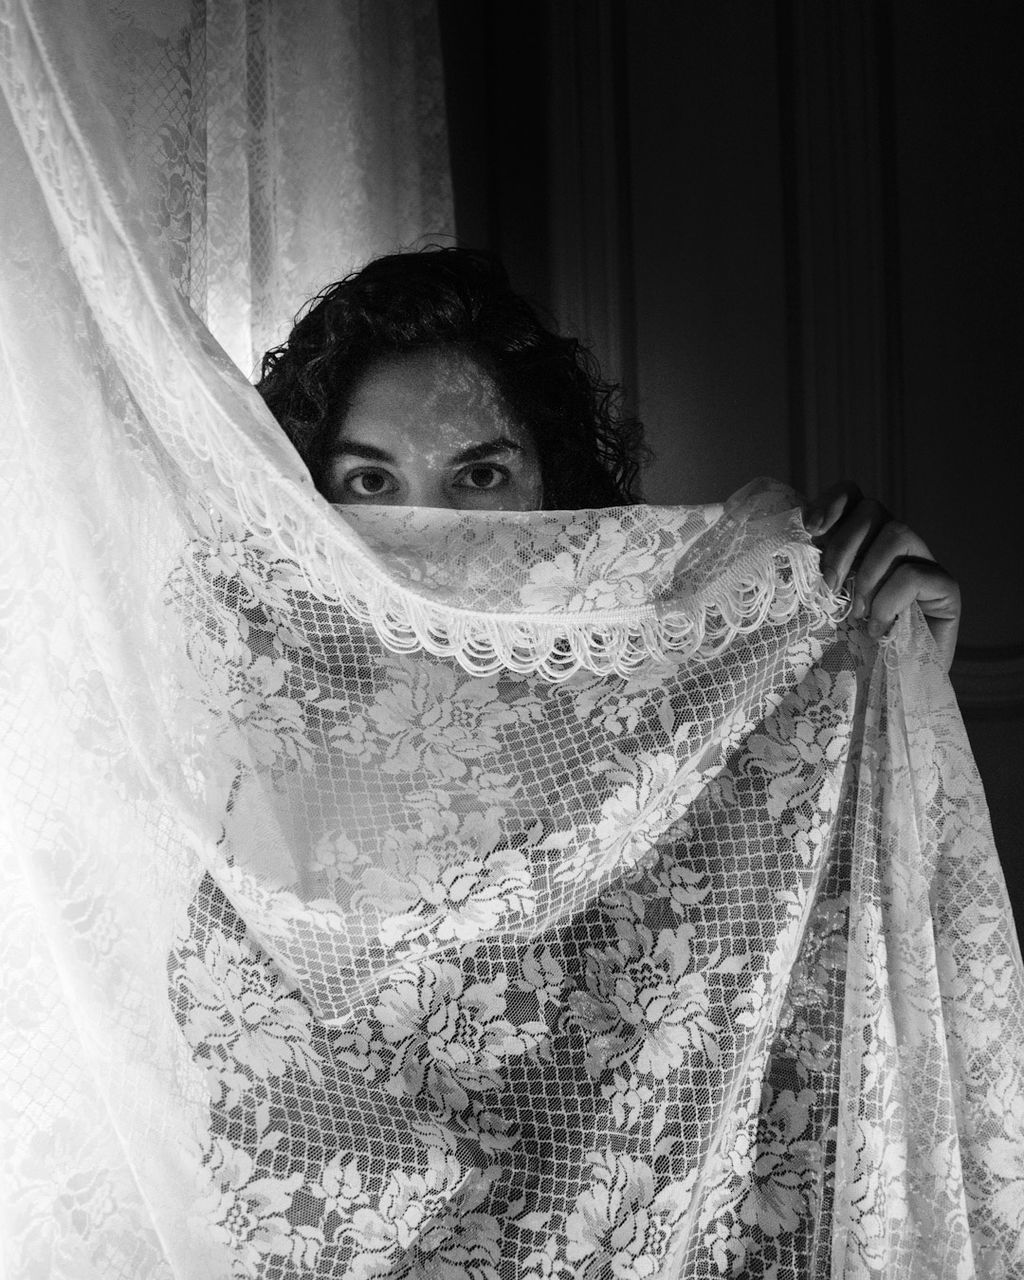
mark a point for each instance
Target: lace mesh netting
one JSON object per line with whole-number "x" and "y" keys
{"x": 405, "y": 893}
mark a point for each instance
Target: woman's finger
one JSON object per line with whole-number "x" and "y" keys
{"x": 891, "y": 544}
{"x": 825, "y": 510}
{"x": 847, "y": 541}
{"x": 934, "y": 590}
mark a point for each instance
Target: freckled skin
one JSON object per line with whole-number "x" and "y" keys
{"x": 425, "y": 410}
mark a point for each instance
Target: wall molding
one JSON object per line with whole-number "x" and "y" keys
{"x": 841, "y": 228}
{"x": 591, "y": 267}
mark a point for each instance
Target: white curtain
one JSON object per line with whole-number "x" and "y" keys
{"x": 430, "y": 895}
{"x": 278, "y": 145}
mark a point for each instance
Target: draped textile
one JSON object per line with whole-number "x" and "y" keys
{"x": 415, "y": 893}
{"x": 276, "y": 145}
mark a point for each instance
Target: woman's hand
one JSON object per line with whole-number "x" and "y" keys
{"x": 892, "y": 567}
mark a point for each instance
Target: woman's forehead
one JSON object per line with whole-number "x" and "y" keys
{"x": 432, "y": 379}
{"x": 443, "y": 398}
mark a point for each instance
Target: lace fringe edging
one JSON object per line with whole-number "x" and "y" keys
{"x": 770, "y": 584}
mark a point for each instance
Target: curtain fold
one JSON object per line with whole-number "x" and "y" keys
{"x": 279, "y": 146}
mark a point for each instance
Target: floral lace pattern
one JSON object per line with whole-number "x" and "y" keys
{"x": 607, "y": 1048}
{"x": 454, "y": 896}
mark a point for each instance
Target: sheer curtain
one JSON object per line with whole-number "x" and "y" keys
{"x": 278, "y": 145}
{"x": 431, "y": 895}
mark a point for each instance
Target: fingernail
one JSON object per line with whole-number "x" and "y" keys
{"x": 813, "y": 524}
{"x": 830, "y": 577}
{"x": 875, "y": 628}
{"x": 858, "y": 608}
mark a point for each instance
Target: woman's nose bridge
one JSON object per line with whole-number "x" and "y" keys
{"x": 426, "y": 487}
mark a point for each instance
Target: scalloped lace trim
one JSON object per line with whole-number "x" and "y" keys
{"x": 771, "y": 584}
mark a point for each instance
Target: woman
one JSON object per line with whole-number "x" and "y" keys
{"x": 424, "y": 380}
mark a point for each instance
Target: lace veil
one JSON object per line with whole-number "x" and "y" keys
{"x": 417, "y": 894}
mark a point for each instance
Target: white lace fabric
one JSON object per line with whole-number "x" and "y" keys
{"x": 408, "y": 893}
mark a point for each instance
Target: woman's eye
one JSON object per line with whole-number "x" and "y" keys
{"x": 370, "y": 484}
{"x": 483, "y": 475}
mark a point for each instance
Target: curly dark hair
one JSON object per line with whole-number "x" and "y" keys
{"x": 590, "y": 453}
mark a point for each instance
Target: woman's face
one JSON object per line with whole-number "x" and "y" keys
{"x": 430, "y": 429}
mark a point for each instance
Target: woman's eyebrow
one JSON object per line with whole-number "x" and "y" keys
{"x": 368, "y": 451}
{"x": 356, "y": 449}
{"x": 478, "y": 451}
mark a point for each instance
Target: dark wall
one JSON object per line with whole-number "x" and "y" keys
{"x": 958, "y": 99}
{"x": 496, "y": 58}
{"x": 823, "y": 204}
{"x": 959, "y": 105}
{"x": 707, "y": 206}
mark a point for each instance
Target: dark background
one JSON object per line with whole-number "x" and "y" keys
{"x": 792, "y": 230}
